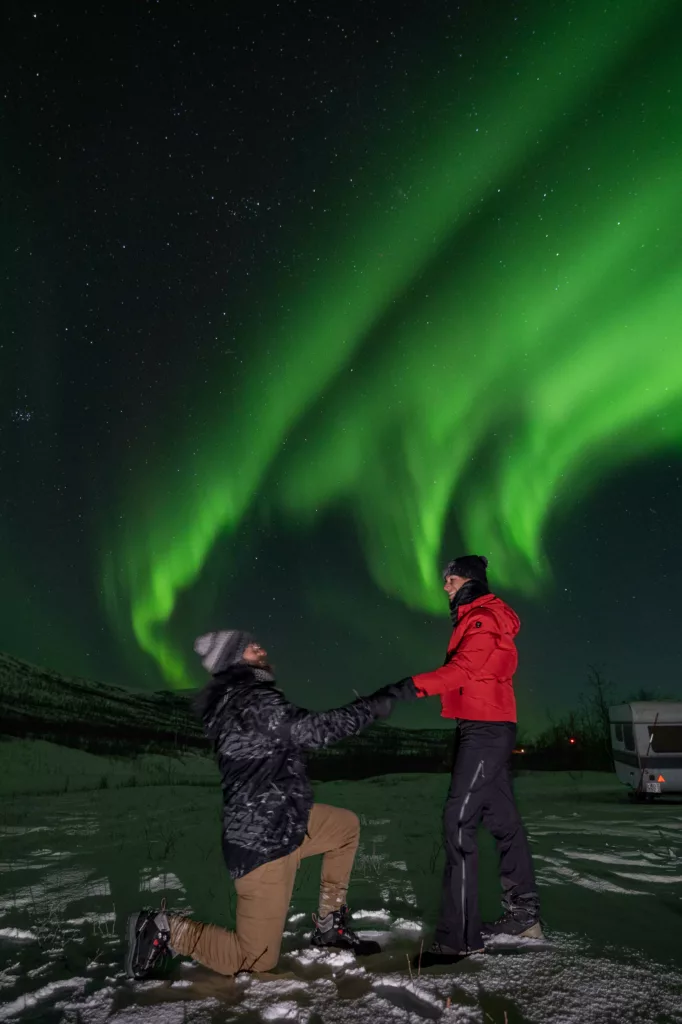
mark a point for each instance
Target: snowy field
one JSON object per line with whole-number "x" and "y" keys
{"x": 74, "y": 865}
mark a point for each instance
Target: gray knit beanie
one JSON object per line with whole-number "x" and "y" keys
{"x": 220, "y": 650}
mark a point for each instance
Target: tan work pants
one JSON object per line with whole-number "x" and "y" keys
{"x": 263, "y": 898}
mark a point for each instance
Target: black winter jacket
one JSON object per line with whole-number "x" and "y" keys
{"x": 260, "y": 741}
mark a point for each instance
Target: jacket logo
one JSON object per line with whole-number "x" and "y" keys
{"x": 478, "y": 625}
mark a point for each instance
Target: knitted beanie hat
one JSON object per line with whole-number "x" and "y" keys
{"x": 220, "y": 650}
{"x": 471, "y": 567}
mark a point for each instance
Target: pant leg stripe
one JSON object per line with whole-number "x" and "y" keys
{"x": 463, "y": 894}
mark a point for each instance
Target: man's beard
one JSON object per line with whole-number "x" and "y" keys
{"x": 264, "y": 673}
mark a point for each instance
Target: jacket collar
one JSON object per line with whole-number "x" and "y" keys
{"x": 468, "y": 594}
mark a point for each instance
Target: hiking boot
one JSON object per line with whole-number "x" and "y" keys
{"x": 334, "y": 932}
{"x": 438, "y": 953}
{"x": 521, "y": 918}
{"x": 148, "y": 938}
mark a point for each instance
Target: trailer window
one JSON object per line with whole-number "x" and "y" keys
{"x": 629, "y": 736}
{"x": 666, "y": 739}
{"x": 619, "y": 731}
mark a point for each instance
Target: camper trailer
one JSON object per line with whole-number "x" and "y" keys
{"x": 646, "y": 738}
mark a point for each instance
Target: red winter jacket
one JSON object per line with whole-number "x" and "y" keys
{"x": 476, "y": 680}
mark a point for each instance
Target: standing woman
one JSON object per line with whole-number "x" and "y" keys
{"x": 476, "y": 687}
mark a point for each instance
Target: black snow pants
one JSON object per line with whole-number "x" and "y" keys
{"x": 481, "y": 790}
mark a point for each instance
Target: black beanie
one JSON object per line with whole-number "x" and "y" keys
{"x": 471, "y": 567}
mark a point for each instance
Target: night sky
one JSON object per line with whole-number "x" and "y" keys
{"x": 300, "y": 300}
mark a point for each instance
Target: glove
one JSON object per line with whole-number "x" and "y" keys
{"x": 404, "y": 690}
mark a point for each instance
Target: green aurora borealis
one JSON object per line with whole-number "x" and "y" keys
{"x": 485, "y": 322}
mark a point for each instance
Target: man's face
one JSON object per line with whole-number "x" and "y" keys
{"x": 453, "y": 584}
{"x": 255, "y": 655}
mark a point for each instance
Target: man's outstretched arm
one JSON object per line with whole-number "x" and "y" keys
{"x": 310, "y": 730}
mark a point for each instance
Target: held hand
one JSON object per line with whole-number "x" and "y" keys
{"x": 404, "y": 690}
{"x": 407, "y": 689}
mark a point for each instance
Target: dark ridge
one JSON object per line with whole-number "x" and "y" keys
{"x": 36, "y": 703}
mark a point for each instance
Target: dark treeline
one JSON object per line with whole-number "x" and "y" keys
{"x": 580, "y": 739}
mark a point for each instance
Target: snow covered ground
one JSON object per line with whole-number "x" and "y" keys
{"x": 73, "y": 866}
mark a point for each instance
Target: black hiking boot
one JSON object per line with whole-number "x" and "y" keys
{"x": 520, "y": 920}
{"x": 148, "y": 938}
{"x": 438, "y": 953}
{"x": 334, "y": 932}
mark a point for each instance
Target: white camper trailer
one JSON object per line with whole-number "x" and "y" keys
{"x": 646, "y": 738}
